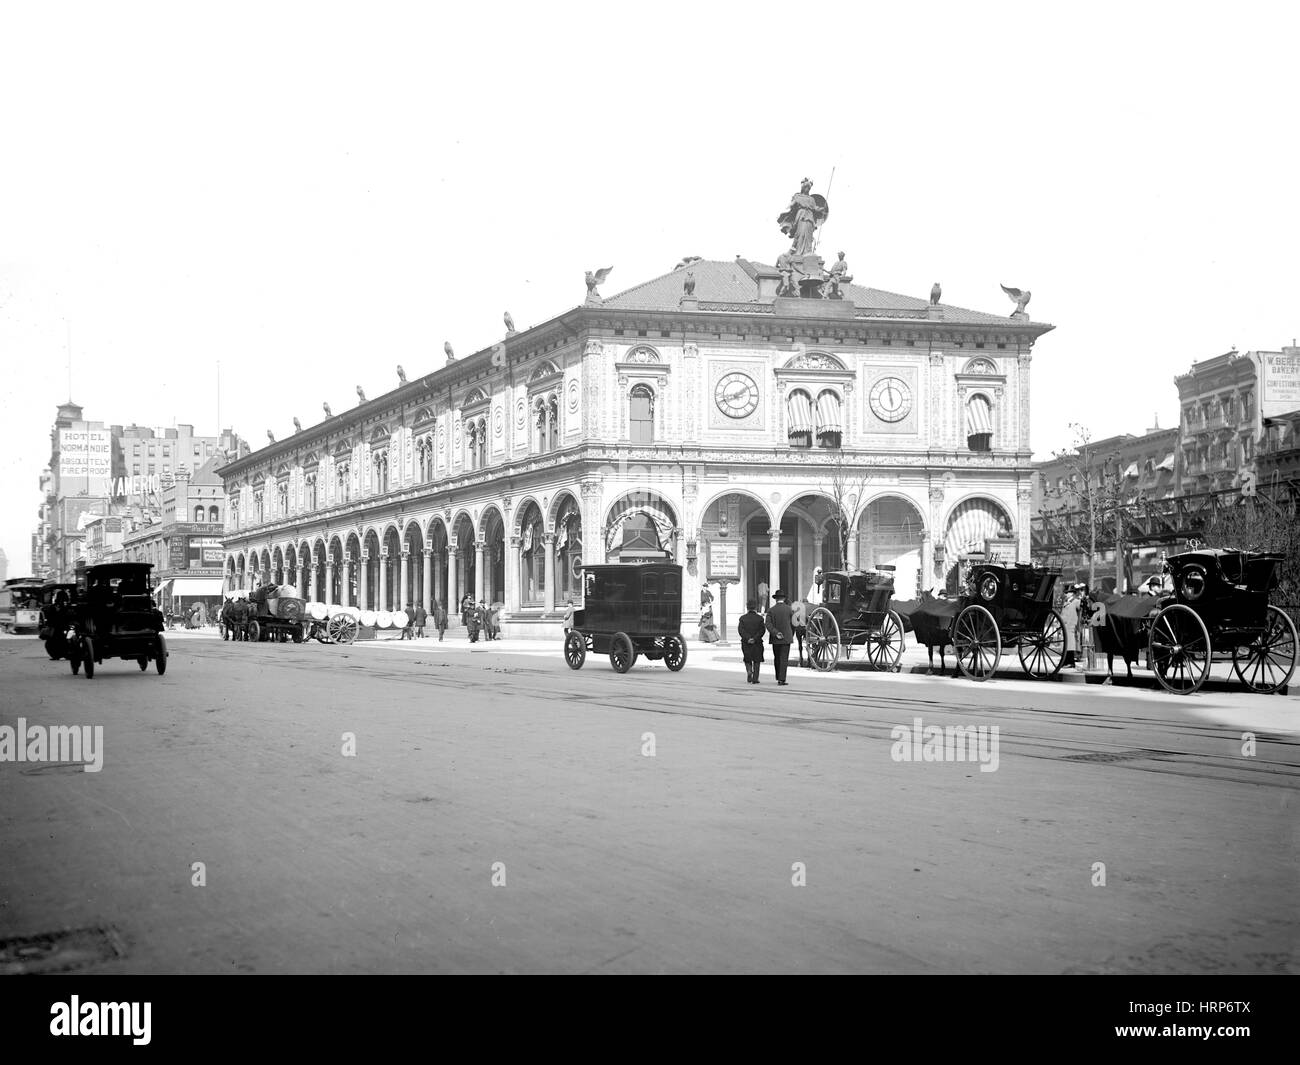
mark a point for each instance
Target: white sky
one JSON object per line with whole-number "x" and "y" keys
{"x": 314, "y": 193}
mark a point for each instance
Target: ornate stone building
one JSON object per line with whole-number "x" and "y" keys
{"x": 724, "y": 412}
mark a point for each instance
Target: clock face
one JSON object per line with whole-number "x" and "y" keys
{"x": 891, "y": 399}
{"x": 736, "y": 395}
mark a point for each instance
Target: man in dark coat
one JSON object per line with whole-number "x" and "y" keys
{"x": 750, "y": 630}
{"x": 439, "y": 619}
{"x": 780, "y": 628}
{"x": 421, "y": 616}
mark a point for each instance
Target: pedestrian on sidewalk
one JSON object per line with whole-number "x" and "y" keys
{"x": 799, "y": 618}
{"x": 408, "y": 630}
{"x": 1070, "y": 617}
{"x": 440, "y": 619}
{"x": 568, "y": 615}
{"x": 750, "y": 629}
{"x": 781, "y": 634}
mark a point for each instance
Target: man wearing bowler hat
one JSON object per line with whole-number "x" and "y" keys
{"x": 780, "y": 629}
{"x": 750, "y": 631}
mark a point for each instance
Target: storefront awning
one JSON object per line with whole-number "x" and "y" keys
{"x": 164, "y": 588}
{"x": 197, "y": 586}
{"x": 800, "y": 409}
{"x": 979, "y": 416}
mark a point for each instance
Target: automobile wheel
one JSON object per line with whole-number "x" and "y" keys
{"x": 621, "y": 652}
{"x": 142, "y": 662}
{"x": 674, "y": 653}
{"x": 1267, "y": 663}
{"x": 976, "y": 643}
{"x": 254, "y": 632}
{"x": 88, "y": 656}
{"x": 575, "y": 649}
{"x": 1179, "y": 649}
{"x": 160, "y": 655}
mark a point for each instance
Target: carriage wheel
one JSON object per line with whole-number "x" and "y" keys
{"x": 1042, "y": 653}
{"x": 160, "y": 655}
{"x": 254, "y": 631}
{"x": 1179, "y": 649}
{"x": 621, "y": 652}
{"x": 575, "y": 649}
{"x": 977, "y": 643}
{"x": 342, "y": 628}
{"x": 88, "y": 656}
{"x": 823, "y": 636}
{"x": 1266, "y": 664}
{"x": 885, "y": 647}
{"x": 674, "y": 652}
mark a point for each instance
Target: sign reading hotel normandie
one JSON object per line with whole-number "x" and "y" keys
{"x": 85, "y": 453}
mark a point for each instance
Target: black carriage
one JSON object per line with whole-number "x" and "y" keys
{"x": 856, "y": 611}
{"x": 57, "y": 618}
{"x": 115, "y": 617}
{"x": 1005, "y": 607}
{"x": 629, "y": 609}
{"x": 1219, "y": 605}
{"x": 278, "y": 614}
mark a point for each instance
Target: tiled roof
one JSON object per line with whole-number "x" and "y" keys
{"x": 729, "y": 282}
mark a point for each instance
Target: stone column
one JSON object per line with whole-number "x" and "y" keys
{"x": 548, "y": 541}
{"x": 478, "y": 571}
{"x": 329, "y": 583}
{"x": 302, "y": 579}
{"x": 439, "y": 587}
{"x": 927, "y": 561}
{"x": 512, "y": 575}
{"x": 453, "y": 580}
{"x": 852, "y": 562}
{"x": 403, "y": 581}
{"x": 363, "y": 584}
{"x": 774, "y": 565}
{"x": 383, "y": 579}
{"x": 345, "y": 585}
{"x": 426, "y": 579}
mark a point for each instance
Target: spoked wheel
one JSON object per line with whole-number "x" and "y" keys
{"x": 674, "y": 652}
{"x": 1042, "y": 653}
{"x": 575, "y": 649}
{"x": 977, "y": 643}
{"x": 160, "y": 655}
{"x": 342, "y": 628}
{"x": 823, "y": 637}
{"x": 885, "y": 646}
{"x": 298, "y": 634}
{"x": 88, "y": 656}
{"x": 1266, "y": 664}
{"x": 621, "y": 653}
{"x": 1179, "y": 649}
{"x": 254, "y": 631}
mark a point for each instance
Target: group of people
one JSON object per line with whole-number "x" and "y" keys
{"x": 778, "y": 624}
{"x": 480, "y": 619}
{"x": 417, "y": 618}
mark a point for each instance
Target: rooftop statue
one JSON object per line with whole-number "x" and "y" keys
{"x": 800, "y": 221}
{"x": 936, "y": 294}
{"x": 1021, "y": 298}
{"x": 447, "y": 348}
{"x": 836, "y": 276}
{"x": 270, "y": 436}
{"x": 328, "y": 413}
{"x": 595, "y": 278}
{"x": 510, "y": 325}
{"x": 297, "y": 426}
{"x": 401, "y": 374}
{"x": 361, "y": 396}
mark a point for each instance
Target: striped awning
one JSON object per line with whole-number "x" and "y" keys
{"x": 979, "y": 416}
{"x": 1132, "y": 470}
{"x": 970, "y": 525}
{"x": 829, "y": 419}
{"x": 799, "y": 407}
{"x": 1167, "y": 463}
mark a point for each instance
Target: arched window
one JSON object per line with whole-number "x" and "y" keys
{"x": 830, "y": 420}
{"x": 532, "y": 558}
{"x": 553, "y": 422}
{"x": 539, "y": 426}
{"x": 641, "y": 415}
{"x": 424, "y": 451}
{"x": 979, "y": 423}
{"x": 379, "y": 472}
{"x": 309, "y": 490}
{"x": 568, "y": 553}
{"x": 343, "y": 481}
{"x": 214, "y": 515}
{"x": 282, "y": 497}
{"x": 198, "y": 513}
{"x": 799, "y": 418}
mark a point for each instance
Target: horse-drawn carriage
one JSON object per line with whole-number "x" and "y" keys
{"x": 856, "y": 612}
{"x": 57, "y": 618}
{"x": 629, "y": 608}
{"x": 115, "y": 617}
{"x": 1219, "y": 604}
{"x": 332, "y": 624}
{"x": 1005, "y": 607}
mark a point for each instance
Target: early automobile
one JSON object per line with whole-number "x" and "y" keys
{"x": 1004, "y": 607}
{"x": 1219, "y": 604}
{"x": 116, "y": 617}
{"x": 856, "y": 611}
{"x": 57, "y": 618}
{"x": 629, "y": 609}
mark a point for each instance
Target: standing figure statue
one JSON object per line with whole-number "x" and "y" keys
{"x": 836, "y": 276}
{"x": 800, "y": 221}
{"x": 785, "y": 264}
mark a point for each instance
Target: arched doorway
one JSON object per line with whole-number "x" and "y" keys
{"x": 970, "y": 526}
{"x": 336, "y": 577}
{"x": 391, "y": 586}
{"x": 494, "y": 557}
{"x": 891, "y": 533}
{"x": 369, "y": 586}
{"x": 413, "y": 544}
{"x": 438, "y": 541}
{"x": 568, "y": 550}
{"x": 465, "y": 561}
{"x": 532, "y": 557}
{"x": 811, "y": 528}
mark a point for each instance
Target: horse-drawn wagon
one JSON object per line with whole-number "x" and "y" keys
{"x": 629, "y": 609}
{"x": 856, "y": 612}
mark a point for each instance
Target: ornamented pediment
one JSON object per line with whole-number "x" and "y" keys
{"x": 423, "y": 416}
{"x": 380, "y": 435}
{"x": 643, "y": 353}
{"x": 474, "y": 398}
{"x": 545, "y": 369}
{"x": 980, "y": 365}
{"x": 814, "y": 360}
